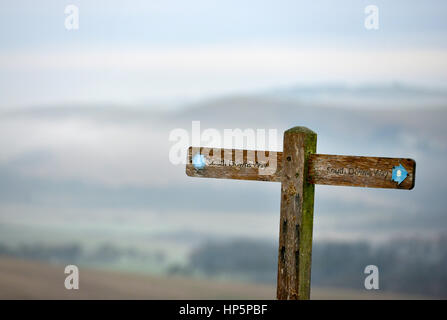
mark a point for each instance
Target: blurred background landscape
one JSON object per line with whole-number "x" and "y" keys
{"x": 85, "y": 120}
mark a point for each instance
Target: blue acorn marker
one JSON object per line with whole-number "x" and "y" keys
{"x": 399, "y": 174}
{"x": 198, "y": 161}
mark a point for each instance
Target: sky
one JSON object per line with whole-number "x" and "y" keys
{"x": 172, "y": 52}
{"x": 102, "y": 172}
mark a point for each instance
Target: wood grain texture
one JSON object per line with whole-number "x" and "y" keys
{"x": 236, "y": 164}
{"x": 298, "y": 169}
{"x": 354, "y": 171}
{"x": 371, "y": 172}
{"x": 296, "y": 221}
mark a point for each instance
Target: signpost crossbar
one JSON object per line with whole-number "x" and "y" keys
{"x": 325, "y": 169}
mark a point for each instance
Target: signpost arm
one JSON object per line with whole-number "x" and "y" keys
{"x": 296, "y": 222}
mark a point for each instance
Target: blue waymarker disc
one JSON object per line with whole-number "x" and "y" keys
{"x": 198, "y": 161}
{"x": 399, "y": 174}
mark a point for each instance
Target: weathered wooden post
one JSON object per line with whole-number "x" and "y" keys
{"x": 297, "y": 211}
{"x": 299, "y": 168}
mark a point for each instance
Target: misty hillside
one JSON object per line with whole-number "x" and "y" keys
{"x": 94, "y": 175}
{"x": 118, "y": 157}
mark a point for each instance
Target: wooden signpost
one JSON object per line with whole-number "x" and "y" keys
{"x": 299, "y": 168}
